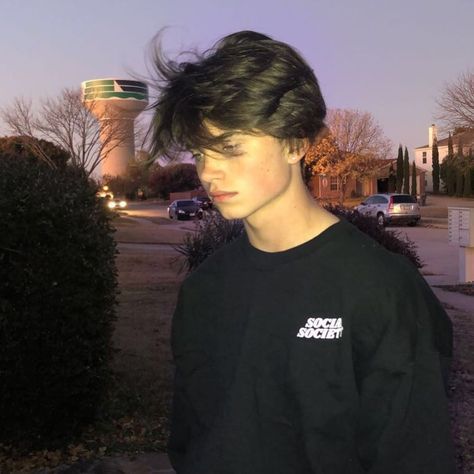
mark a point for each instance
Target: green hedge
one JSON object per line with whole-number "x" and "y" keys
{"x": 57, "y": 301}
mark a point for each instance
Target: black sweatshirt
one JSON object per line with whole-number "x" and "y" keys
{"x": 326, "y": 358}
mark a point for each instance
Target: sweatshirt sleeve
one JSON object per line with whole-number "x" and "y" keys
{"x": 179, "y": 425}
{"x": 401, "y": 353}
{"x": 374, "y": 400}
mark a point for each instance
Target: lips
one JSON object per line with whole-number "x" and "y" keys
{"x": 218, "y": 196}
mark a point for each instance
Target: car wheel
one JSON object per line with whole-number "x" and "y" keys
{"x": 381, "y": 220}
{"x": 413, "y": 223}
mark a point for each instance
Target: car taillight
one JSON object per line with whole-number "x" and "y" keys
{"x": 390, "y": 204}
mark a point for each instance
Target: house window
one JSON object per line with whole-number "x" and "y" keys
{"x": 333, "y": 183}
{"x": 424, "y": 157}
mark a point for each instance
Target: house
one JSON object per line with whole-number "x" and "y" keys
{"x": 424, "y": 154}
{"x": 328, "y": 187}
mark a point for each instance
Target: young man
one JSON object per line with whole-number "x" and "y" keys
{"x": 303, "y": 346}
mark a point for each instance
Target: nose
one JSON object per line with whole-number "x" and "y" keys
{"x": 210, "y": 169}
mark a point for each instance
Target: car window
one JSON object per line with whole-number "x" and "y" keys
{"x": 380, "y": 200}
{"x": 186, "y": 203}
{"x": 370, "y": 200}
{"x": 403, "y": 198}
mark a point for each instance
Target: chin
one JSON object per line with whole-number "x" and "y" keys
{"x": 231, "y": 214}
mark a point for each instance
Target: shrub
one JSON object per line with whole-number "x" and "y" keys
{"x": 57, "y": 301}
{"x": 173, "y": 178}
{"x": 213, "y": 231}
{"x": 39, "y": 148}
{"x": 132, "y": 184}
{"x": 391, "y": 240}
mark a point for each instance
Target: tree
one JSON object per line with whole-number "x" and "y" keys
{"x": 400, "y": 169}
{"x": 34, "y": 148}
{"x": 456, "y": 104}
{"x": 450, "y": 146}
{"x": 458, "y": 165}
{"x": 460, "y": 148}
{"x": 467, "y": 182}
{"x": 435, "y": 164}
{"x": 173, "y": 178}
{"x": 459, "y": 182}
{"x": 413, "y": 180}
{"x": 450, "y": 172}
{"x": 446, "y": 169}
{"x": 392, "y": 180}
{"x": 349, "y": 149}
{"x": 469, "y": 178}
{"x": 406, "y": 173}
{"x": 66, "y": 122}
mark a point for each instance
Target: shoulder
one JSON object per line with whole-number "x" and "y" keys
{"x": 214, "y": 267}
{"x": 361, "y": 258}
{"x": 387, "y": 288}
{"x": 377, "y": 280}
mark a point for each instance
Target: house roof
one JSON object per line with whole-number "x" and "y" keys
{"x": 383, "y": 164}
{"x": 467, "y": 138}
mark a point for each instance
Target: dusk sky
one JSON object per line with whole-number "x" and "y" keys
{"x": 390, "y": 58}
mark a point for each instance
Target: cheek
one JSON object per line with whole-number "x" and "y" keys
{"x": 269, "y": 184}
{"x": 270, "y": 178}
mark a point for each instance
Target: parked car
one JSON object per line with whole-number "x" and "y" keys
{"x": 184, "y": 209}
{"x": 391, "y": 208}
{"x": 205, "y": 202}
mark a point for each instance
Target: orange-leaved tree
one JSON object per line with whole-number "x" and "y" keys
{"x": 348, "y": 148}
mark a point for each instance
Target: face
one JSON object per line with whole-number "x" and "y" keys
{"x": 248, "y": 176}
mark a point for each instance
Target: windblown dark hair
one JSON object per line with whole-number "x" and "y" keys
{"x": 247, "y": 82}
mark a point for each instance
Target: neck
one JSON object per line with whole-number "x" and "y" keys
{"x": 294, "y": 220}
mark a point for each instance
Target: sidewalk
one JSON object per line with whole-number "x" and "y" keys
{"x": 441, "y": 261}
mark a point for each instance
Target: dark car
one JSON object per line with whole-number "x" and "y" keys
{"x": 184, "y": 209}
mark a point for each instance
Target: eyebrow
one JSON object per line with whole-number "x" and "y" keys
{"x": 224, "y": 136}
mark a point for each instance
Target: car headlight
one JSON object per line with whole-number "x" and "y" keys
{"x": 180, "y": 211}
{"x": 123, "y": 204}
{"x": 111, "y": 204}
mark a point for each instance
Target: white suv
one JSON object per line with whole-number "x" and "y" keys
{"x": 391, "y": 208}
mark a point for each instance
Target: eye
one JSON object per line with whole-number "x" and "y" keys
{"x": 231, "y": 149}
{"x": 197, "y": 156}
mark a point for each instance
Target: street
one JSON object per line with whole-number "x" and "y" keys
{"x": 441, "y": 259}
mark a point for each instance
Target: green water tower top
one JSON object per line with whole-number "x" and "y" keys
{"x": 107, "y": 89}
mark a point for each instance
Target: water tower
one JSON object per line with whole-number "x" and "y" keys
{"x": 115, "y": 103}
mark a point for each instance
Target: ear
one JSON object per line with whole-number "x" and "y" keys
{"x": 297, "y": 150}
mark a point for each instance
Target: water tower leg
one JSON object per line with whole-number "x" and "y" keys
{"x": 120, "y": 149}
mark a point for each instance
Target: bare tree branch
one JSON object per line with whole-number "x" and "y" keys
{"x": 66, "y": 122}
{"x": 456, "y": 104}
{"x": 20, "y": 120}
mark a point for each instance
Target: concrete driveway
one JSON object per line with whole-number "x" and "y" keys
{"x": 441, "y": 259}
